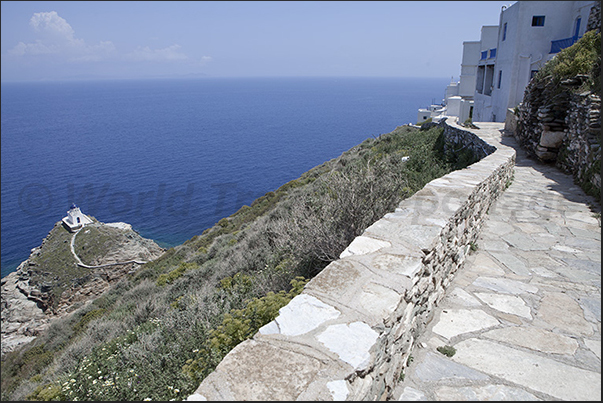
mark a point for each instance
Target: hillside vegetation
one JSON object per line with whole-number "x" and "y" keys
{"x": 581, "y": 59}
{"x": 158, "y": 333}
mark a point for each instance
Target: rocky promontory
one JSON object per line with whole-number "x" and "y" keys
{"x": 67, "y": 270}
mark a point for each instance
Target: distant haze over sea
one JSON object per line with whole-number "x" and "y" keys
{"x": 172, "y": 157}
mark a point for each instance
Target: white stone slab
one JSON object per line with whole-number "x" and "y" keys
{"x": 412, "y": 395}
{"x": 339, "y": 389}
{"x": 525, "y": 215}
{"x": 512, "y": 263}
{"x": 595, "y": 346}
{"x": 436, "y": 367}
{"x": 485, "y": 265}
{"x": 406, "y": 265}
{"x": 524, "y": 242}
{"x": 563, "y": 248}
{"x": 378, "y": 300}
{"x": 302, "y": 314}
{"x": 506, "y": 303}
{"x": 592, "y": 307}
{"x": 542, "y": 272}
{"x": 583, "y": 216}
{"x": 196, "y": 397}
{"x": 269, "y": 328}
{"x": 562, "y": 311}
{"x": 535, "y": 339}
{"x": 421, "y": 236}
{"x": 453, "y": 322}
{"x": 352, "y": 343}
{"x": 529, "y": 370}
{"x": 497, "y": 227}
{"x": 495, "y": 393}
{"x": 362, "y": 245}
{"x": 462, "y": 297}
{"x": 505, "y": 285}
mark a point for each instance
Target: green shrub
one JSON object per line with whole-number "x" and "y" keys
{"x": 582, "y": 58}
{"x": 170, "y": 277}
{"x": 22, "y": 364}
{"x": 83, "y": 322}
{"x": 469, "y": 123}
{"x": 47, "y": 393}
{"x": 241, "y": 324}
{"x": 239, "y": 283}
{"x": 447, "y": 350}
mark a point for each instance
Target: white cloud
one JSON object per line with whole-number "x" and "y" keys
{"x": 166, "y": 54}
{"x": 56, "y": 46}
{"x": 37, "y": 48}
{"x": 97, "y": 52}
{"x": 53, "y": 24}
{"x": 57, "y": 37}
{"x": 205, "y": 59}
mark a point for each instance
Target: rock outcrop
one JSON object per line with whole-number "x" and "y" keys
{"x": 53, "y": 280}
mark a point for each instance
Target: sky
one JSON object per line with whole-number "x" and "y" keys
{"x": 75, "y": 40}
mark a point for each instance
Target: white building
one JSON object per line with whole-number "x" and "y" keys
{"x": 436, "y": 112}
{"x": 75, "y": 219}
{"x": 432, "y": 112}
{"x": 496, "y": 69}
{"x": 484, "y": 80}
{"x": 459, "y": 99}
{"x": 471, "y": 52}
{"x": 528, "y": 35}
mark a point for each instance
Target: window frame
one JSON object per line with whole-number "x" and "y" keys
{"x": 538, "y": 20}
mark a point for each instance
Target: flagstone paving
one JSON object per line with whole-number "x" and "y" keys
{"x": 524, "y": 314}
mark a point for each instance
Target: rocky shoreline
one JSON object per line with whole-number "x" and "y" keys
{"x": 44, "y": 287}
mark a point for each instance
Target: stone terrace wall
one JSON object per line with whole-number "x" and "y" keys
{"x": 580, "y": 153}
{"x": 349, "y": 334}
{"x": 564, "y": 129}
{"x": 458, "y": 138}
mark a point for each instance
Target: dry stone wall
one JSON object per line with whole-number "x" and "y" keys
{"x": 349, "y": 334}
{"x": 457, "y": 139}
{"x": 564, "y": 128}
{"x": 580, "y": 153}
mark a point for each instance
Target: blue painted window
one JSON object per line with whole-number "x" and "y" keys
{"x": 538, "y": 21}
{"x": 504, "y": 31}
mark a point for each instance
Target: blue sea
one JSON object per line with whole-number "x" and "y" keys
{"x": 172, "y": 157}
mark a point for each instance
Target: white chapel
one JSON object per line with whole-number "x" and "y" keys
{"x": 75, "y": 218}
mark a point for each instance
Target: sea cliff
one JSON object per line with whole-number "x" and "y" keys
{"x": 66, "y": 271}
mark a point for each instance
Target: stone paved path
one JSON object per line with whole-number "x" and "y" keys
{"x": 524, "y": 314}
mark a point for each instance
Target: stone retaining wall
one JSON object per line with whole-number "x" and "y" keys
{"x": 458, "y": 138}
{"x": 580, "y": 153}
{"x": 563, "y": 128}
{"x": 349, "y": 334}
